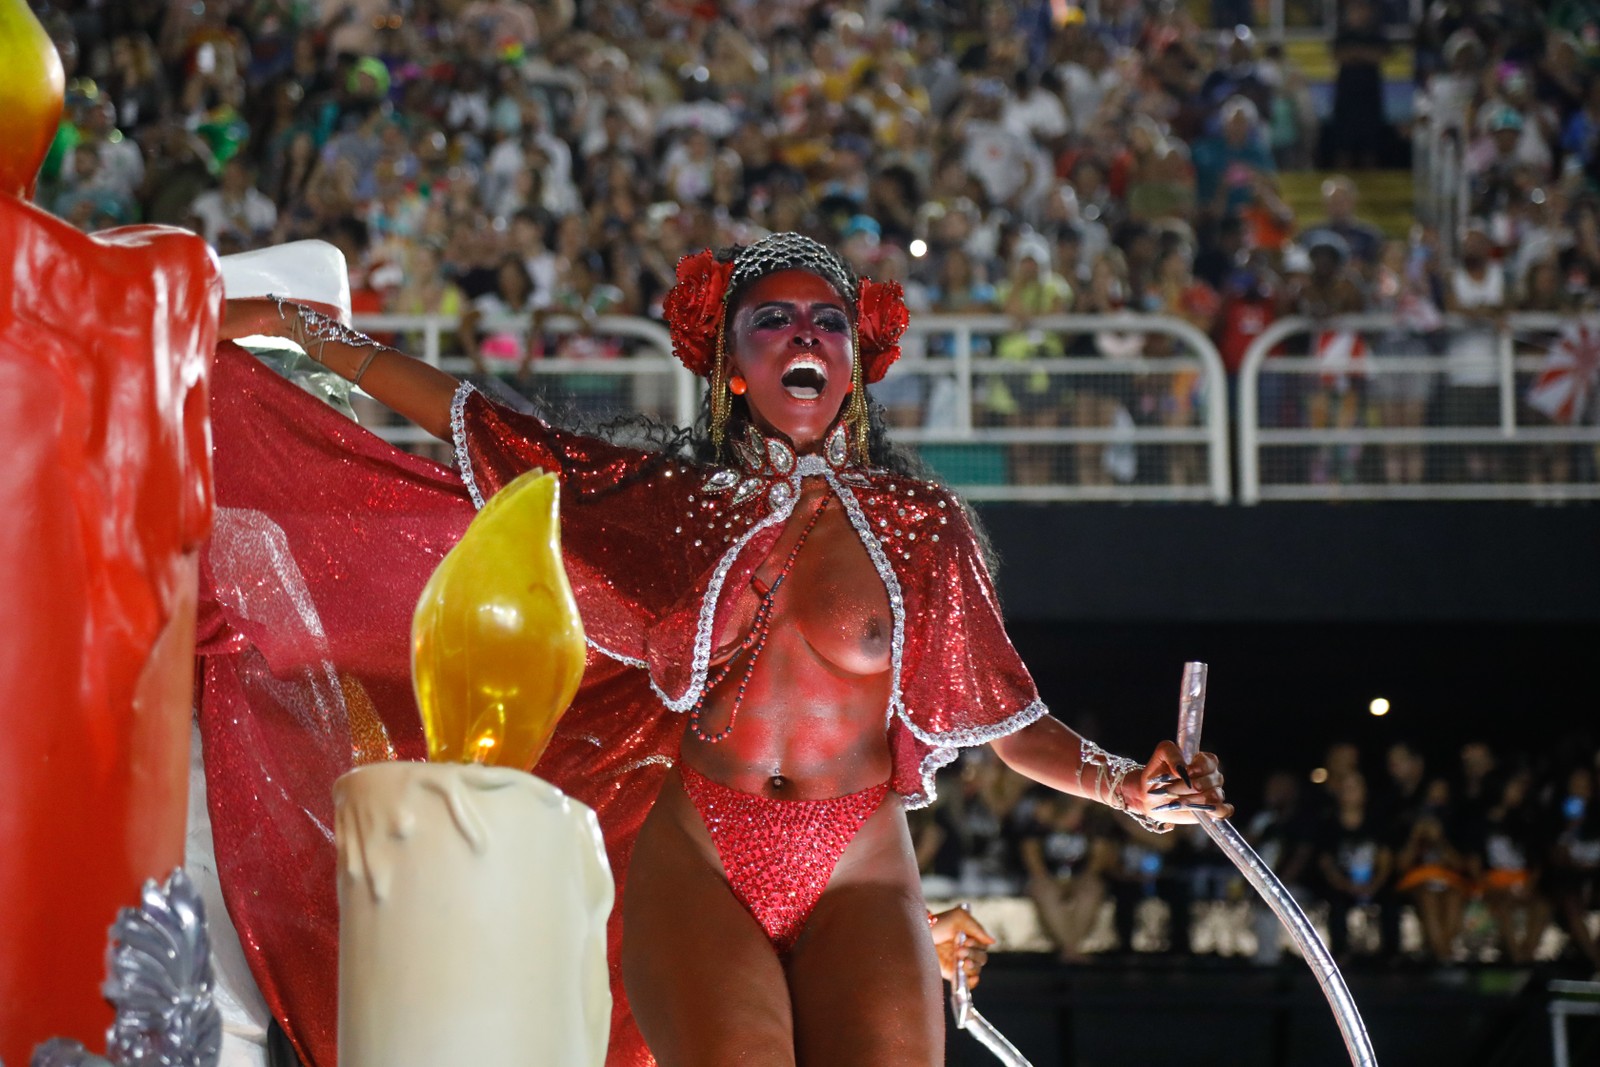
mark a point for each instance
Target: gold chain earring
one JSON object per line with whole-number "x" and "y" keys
{"x": 855, "y": 412}
{"x": 721, "y": 398}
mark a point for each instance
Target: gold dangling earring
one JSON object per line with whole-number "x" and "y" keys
{"x": 855, "y": 411}
{"x": 721, "y": 398}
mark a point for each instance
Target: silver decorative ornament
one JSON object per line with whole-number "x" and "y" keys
{"x": 159, "y": 980}
{"x": 721, "y": 481}
{"x": 781, "y": 456}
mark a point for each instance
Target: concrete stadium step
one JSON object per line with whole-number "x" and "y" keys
{"x": 1313, "y": 57}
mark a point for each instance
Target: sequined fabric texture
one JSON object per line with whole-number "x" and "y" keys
{"x": 327, "y": 538}
{"x": 779, "y": 854}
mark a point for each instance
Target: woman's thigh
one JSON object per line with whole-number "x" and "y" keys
{"x": 863, "y": 977}
{"x": 704, "y": 982}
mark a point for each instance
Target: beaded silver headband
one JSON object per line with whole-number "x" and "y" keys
{"x": 791, "y": 251}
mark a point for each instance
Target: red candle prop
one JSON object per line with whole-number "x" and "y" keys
{"x": 105, "y": 497}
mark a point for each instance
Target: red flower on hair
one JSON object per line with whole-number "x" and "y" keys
{"x": 883, "y": 321}
{"x": 693, "y": 309}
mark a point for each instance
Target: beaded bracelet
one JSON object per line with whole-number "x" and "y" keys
{"x": 1109, "y": 774}
{"x": 309, "y": 324}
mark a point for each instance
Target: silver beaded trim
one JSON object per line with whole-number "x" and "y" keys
{"x": 880, "y": 563}
{"x": 948, "y": 746}
{"x": 700, "y": 665}
{"x": 458, "y": 435}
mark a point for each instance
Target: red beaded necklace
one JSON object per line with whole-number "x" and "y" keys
{"x": 753, "y": 642}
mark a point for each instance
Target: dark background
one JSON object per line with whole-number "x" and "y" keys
{"x": 1478, "y": 622}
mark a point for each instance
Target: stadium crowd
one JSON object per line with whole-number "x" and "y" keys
{"x": 1490, "y": 852}
{"x": 484, "y": 157}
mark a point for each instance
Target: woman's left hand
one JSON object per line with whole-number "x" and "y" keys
{"x": 973, "y": 948}
{"x": 1168, "y": 790}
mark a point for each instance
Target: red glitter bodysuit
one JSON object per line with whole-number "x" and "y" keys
{"x": 325, "y": 536}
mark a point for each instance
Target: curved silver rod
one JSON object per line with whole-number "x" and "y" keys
{"x": 968, "y": 1019}
{"x": 1192, "y": 703}
{"x": 1259, "y": 875}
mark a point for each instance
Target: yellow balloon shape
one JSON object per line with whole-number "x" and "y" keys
{"x": 30, "y": 96}
{"x": 496, "y": 644}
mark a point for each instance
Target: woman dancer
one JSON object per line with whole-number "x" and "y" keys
{"x": 825, "y": 629}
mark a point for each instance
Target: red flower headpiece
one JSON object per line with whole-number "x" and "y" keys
{"x": 882, "y": 319}
{"x": 695, "y": 307}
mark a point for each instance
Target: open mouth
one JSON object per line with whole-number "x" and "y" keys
{"x": 805, "y": 379}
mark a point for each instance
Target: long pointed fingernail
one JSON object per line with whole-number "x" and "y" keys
{"x": 1165, "y": 779}
{"x": 1201, "y": 807}
{"x": 1158, "y": 791}
{"x": 1171, "y": 805}
{"x": 1183, "y": 772}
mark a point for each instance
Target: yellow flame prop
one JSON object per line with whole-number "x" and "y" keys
{"x": 496, "y": 644}
{"x": 30, "y": 96}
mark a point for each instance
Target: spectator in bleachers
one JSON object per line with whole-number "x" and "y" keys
{"x": 964, "y": 846}
{"x": 1065, "y": 853}
{"x": 1282, "y": 832}
{"x": 1476, "y": 291}
{"x": 1358, "y": 133}
{"x": 237, "y": 212}
{"x": 1030, "y": 398}
{"x": 1505, "y": 854}
{"x": 1143, "y": 871}
{"x": 1103, "y": 400}
{"x": 1431, "y": 870}
{"x": 1353, "y": 857}
{"x": 1400, "y": 398}
{"x": 492, "y": 342}
{"x": 1177, "y": 292}
{"x": 1333, "y": 398}
{"x": 1574, "y": 871}
{"x": 1365, "y": 241}
{"x": 1228, "y": 163}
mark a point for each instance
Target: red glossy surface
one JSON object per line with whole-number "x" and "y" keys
{"x": 105, "y": 497}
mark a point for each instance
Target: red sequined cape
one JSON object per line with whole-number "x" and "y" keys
{"x": 324, "y": 538}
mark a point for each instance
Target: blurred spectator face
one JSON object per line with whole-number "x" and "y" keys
{"x": 1351, "y": 790}
{"x": 1326, "y": 262}
{"x": 1477, "y": 761}
{"x": 1405, "y": 764}
{"x": 512, "y": 281}
{"x": 1238, "y": 121}
{"x": 1475, "y": 249}
{"x": 1282, "y": 791}
{"x": 1339, "y": 199}
{"x": 1174, "y": 268}
{"x": 1343, "y": 759}
{"x": 235, "y": 179}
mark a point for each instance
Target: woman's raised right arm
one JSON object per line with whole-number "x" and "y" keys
{"x": 407, "y": 386}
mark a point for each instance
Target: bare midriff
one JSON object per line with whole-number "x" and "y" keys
{"x": 811, "y": 723}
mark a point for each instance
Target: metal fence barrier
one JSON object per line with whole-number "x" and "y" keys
{"x": 1361, "y": 408}
{"x": 1064, "y": 407}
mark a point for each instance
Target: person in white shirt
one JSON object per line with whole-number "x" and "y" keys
{"x": 237, "y": 207}
{"x": 1477, "y": 291}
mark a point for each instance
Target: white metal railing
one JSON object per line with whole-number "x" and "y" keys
{"x": 1491, "y": 458}
{"x": 960, "y": 377}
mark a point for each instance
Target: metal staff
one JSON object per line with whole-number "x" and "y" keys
{"x": 968, "y": 1019}
{"x": 1191, "y": 710}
